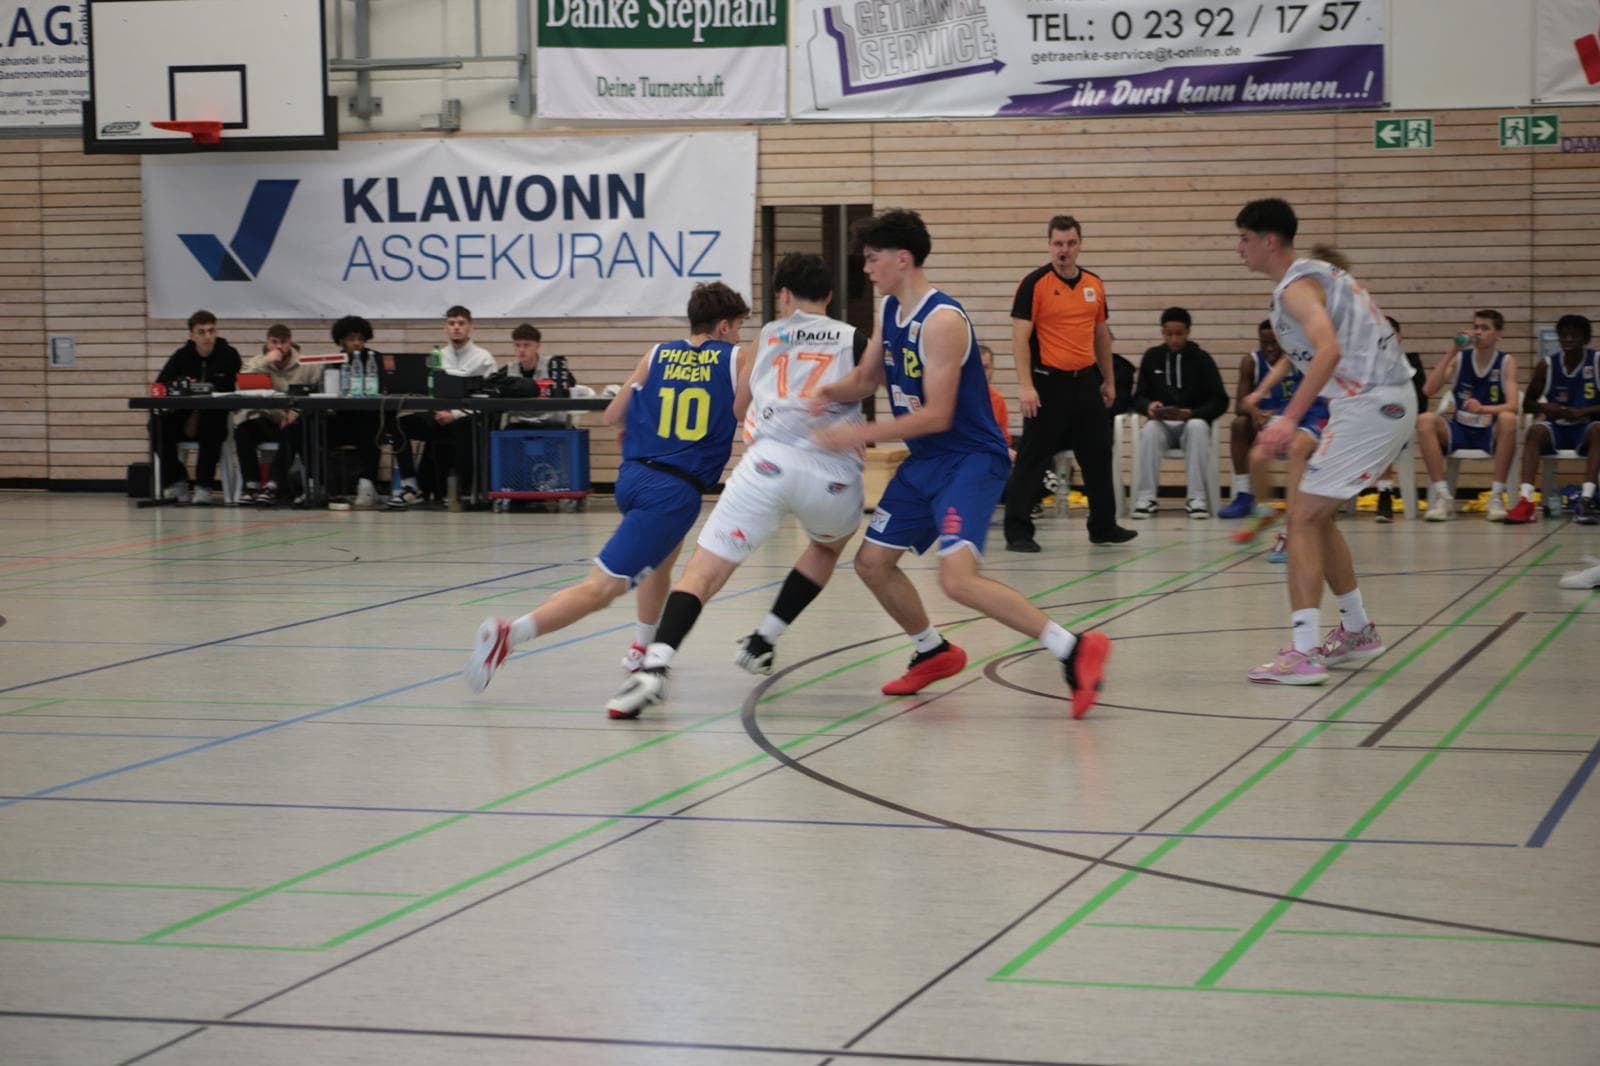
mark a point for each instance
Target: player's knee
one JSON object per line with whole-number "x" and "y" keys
{"x": 873, "y": 567}
{"x": 1243, "y": 428}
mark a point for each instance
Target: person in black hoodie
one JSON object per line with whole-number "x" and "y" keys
{"x": 1180, "y": 391}
{"x": 205, "y": 358}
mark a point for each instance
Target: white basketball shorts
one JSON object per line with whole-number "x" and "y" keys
{"x": 1364, "y": 435}
{"x": 774, "y": 480}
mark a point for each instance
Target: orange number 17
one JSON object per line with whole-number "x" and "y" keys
{"x": 822, "y": 360}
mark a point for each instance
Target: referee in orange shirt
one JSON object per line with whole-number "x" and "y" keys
{"x": 1061, "y": 344}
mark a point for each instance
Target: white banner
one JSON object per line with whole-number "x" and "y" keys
{"x": 671, "y": 59}
{"x": 44, "y": 62}
{"x": 1567, "y": 52}
{"x": 539, "y": 227}
{"x": 930, "y": 58}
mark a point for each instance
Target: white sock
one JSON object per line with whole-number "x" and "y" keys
{"x": 644, "y": 633}
{"x": 1526, "y": 491}
{"x": 927, "y": 640}
{"x": 1497, "y": 488}
{"x": 1305, "y": 627}
{"x": 771, "y": 628}
{"x": 523, "y": 630}
{"x": 658, "y": 655}
{"x": 1588, "y": 490}
{"x": 1241, "y": 484}
{"x": 1385, "y": 486}
{"x": 1352, "y": 615}
{"x": 1058, "y": 640}
{"x": 409, "y": 483}
{"x": 1441, "y": 488}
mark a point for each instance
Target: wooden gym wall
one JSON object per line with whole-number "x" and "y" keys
{"x": 1434, "y": 234}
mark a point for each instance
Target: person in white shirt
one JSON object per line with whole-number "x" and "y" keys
{"x": 783, "y": 472}
{"x": 447, "y": 434}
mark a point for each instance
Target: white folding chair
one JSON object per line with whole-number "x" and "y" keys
{"x": 1063, "y": 469}
{"x": 227, "y": 466}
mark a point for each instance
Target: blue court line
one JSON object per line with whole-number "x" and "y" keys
{"x": 349, "y": 808}
{"x": 1548, "y": 824}
{"x": 276, "y": 629}
{"x": 135, "y": 736}
{"x": 272, "y": 726}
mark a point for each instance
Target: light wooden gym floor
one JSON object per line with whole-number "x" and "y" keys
{"x": 250, "y": 815}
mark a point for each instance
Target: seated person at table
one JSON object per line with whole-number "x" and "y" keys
{"x": 448, "y": 433}
{"x": 280, "y": 358}
{"x": 207, "y": 358}
{"x": 362, "y": 430}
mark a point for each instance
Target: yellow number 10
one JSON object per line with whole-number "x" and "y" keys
{"x": 693, "y": 414}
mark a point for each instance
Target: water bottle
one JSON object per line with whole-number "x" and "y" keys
{"x": 435, "y": 362}
{"x": 344, "y": 377}
{"x": 372, "y": 374}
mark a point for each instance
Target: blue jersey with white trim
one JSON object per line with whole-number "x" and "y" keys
{"x": 1488, "y": 388}
{"x": 1277, "y": 398}
{"x": 682, "y": 415}
{"x": 972, "y": 426}
{"x": 1577, "y": 389}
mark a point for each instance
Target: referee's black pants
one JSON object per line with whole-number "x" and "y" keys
{"x": 1072, "y": 416}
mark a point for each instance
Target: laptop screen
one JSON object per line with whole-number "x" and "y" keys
{"x": 403, "y": 373}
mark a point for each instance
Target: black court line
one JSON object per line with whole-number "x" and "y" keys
{"x": 1372, "y": 738}
{"x": 530, "y": 1038}
{"x": 275, "y": 629}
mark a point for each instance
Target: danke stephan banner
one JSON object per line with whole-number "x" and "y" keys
{"x": 547, "y": 227}
{"x": 930, "y": 58}
{"x": 663, "y": 59}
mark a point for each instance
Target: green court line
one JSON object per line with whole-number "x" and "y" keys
{"x": 1466, "y": 1001}
{"x": 142, "y": 944}
{"x": 232, "y": 889}
{"x": 1032, "y": 951}
{"x": 1162, "y": 928}
{"x": 659, "y": 739}
{"x": 1220, "y": 968}
{"x": 33, "y": 706}
{"x": 518, "y": 591}
{"x": 1517, "y": 733}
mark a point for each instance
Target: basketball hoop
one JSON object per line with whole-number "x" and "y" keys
{"x": 204, "y": 131}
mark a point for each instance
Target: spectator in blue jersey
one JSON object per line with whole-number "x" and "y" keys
{"x": 681, "y": 407}
{"x": 1248, "y": 419}
{"x": 1483, "y": 383}
{"x": 1564, "y": 392}
{"x": 944, "y": 494}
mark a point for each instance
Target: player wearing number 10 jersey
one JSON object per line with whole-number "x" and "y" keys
{"x": 681, "y": 409}
{"x": 782, "y": 472}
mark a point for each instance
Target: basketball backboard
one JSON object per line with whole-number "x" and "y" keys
{"x": 259, "y": 68}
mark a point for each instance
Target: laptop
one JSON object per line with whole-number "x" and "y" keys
{"x": 403, "y": 373}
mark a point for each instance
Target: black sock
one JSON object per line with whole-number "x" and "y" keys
{"x": 677, "y": 618}
{"x": 796, "y": 595}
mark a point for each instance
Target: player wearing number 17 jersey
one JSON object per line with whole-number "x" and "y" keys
{"x": 782, "y": 472}
{"x": 682, "y": 410}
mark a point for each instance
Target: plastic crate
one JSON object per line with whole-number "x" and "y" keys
{"x": 538, "y": 464}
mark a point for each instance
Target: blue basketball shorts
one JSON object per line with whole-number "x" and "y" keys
{"x": 943, "y": 498}
{"x": 658, "y": 510}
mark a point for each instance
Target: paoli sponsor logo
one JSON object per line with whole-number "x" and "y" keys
{"x": 243, "y": 257}
{"x": 1393, "y": 410}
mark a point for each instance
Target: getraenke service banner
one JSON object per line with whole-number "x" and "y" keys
{"x": 546, "y": 227}
{"x": 1566, "y": 66}
{"x": 931, "y": 58}
{"x": 662, "y": 59}
{"x": 44, "y": 62}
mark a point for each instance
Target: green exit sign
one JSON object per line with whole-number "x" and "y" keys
{"x": 1400, "y": 133}
{"x": 1529, "y": 131}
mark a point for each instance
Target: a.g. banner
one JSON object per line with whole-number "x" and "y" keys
{"x": 930, "y": 58}
{"x": 542, "y": 227}
{"x": 44, "y": 62}
{"x": 662, "y": 59}
{"x": 1566, "y": 65}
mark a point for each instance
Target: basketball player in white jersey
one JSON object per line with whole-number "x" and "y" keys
{"x": 1339, "y": 339}
{"x": 782, "y": 472}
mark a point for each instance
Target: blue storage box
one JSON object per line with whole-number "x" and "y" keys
{"x": 538, "y": 464}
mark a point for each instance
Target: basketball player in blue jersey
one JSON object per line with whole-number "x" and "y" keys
{"x": 1339, "y": 339}
{"x": 1483, "y": 380}
{"x": 681, "y": 412}
{"x": 946, "y": 492}
{"x": 1248, "y": 420}
{"x": 1565, "y": 392}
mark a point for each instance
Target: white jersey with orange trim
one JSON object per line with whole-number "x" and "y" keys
{"x": 1369, "y": 355}
{"x": 797, "y": 356}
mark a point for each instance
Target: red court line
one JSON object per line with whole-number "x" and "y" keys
{"x": 148, "y": 542}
